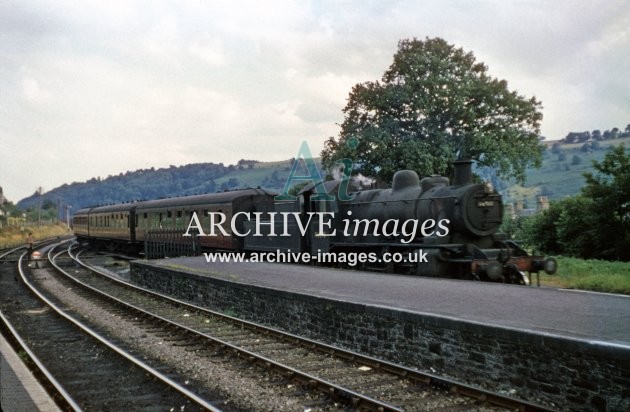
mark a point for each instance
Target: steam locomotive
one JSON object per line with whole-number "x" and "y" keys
{"x": 426, "y": 227}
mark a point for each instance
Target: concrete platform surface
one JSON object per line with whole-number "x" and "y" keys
{"x": 594, "y": 317}
{"x": 19, "y": 390}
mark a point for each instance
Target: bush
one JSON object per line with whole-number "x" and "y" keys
{"x": 576, "y": 160}
{"x": 567, "y": 227}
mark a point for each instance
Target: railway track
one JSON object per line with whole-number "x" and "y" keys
{"x": 81, "y": 369}
{"x": 356, "y": 380}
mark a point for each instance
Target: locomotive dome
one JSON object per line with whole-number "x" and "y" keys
{"x": 404, "y": 179}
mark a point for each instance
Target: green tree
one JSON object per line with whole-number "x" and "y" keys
{"x": 614, "y": 133}
{"x": 539, "y": 232}
{"x": 609, "y": 188}
{"x": 568, "y": 227}
{"x": 595, "y": 224}
{"x": 512, "y": 226}
{"x": 577, "y": 227}
{"x": 435, "y": 104}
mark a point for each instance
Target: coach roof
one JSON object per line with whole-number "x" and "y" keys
{"x": 210, "y": 198}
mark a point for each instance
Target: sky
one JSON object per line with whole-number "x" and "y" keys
{"x": 97, "y": 88}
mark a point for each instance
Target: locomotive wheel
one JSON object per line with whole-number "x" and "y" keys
{"x": 514, "y": 276}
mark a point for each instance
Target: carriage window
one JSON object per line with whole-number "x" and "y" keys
{"x": 179, "y": 222}
{"x": 156, "y": 220}
{"x": 169, "y": 214}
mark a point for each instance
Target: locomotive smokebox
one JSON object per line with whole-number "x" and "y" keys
{"x": 463, "y": 172}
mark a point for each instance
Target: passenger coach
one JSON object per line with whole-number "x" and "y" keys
{"x": 176, "y": 213}
{"x": 131, "y": 223}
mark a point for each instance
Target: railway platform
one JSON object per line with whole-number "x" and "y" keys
{"x": 593, "y": 317}
{"x": 564, "y": 348}
{"x": 19, "y": 390}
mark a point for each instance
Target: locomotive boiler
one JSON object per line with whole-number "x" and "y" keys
{"x": 472, "y": 248}
{"x": 428, "y": 227}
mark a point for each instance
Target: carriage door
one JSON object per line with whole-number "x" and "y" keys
{"x": 131, "y": 224}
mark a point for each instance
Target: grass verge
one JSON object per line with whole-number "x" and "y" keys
{"x": 16, "y": 236}
{"x": 596, "y": 275}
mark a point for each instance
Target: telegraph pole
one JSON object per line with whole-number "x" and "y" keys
{"x": 68, "y": 215}
{"x": 40, "y": 190}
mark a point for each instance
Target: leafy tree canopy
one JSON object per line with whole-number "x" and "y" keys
{"x": 609, "y": 188}
{"x": 595, "y": 224}
{"x": 435, "y": 104}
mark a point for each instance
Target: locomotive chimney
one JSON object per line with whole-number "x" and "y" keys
{"x": 463, "y": 172}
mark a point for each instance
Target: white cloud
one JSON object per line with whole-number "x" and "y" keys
{"x": 208, "y": 50}
{"x": 116, "y": 86}
{"x": 32, "y": 91}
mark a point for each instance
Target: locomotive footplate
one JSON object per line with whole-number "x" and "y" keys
{"x": 512, "y": 269}
{"x": 507, "y": 263}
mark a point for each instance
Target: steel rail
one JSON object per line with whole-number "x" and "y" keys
{"x": 61, "y": 396}
{"x": 337, "y": 391}
{"x": 84, "y": 328}
{"x": 460, "y": 388}
{"x": 9, "y": 250}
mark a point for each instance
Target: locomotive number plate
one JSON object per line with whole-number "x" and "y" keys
{"x": 485, "y": 203}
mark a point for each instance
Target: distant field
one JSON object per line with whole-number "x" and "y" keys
{"x": 559, "y": 178}
{"x": 270, "y": 175}
{"x": 596, "y": 275}
{"x": 273, "y": 165}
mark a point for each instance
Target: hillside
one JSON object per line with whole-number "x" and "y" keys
{"x": 165, "y": 182}
{"x": 562, "y": 171}
{"x": 560, "y": 175}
